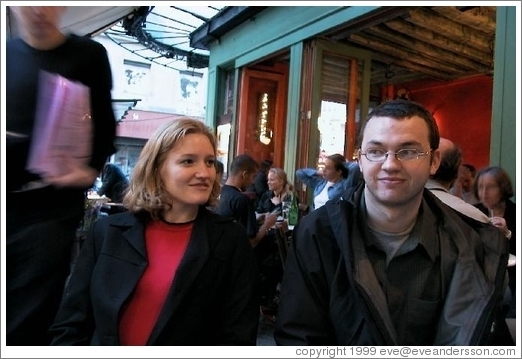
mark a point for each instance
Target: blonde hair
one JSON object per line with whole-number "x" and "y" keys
{"x": 288, "y": 188}
{"x": 146, "y": 191}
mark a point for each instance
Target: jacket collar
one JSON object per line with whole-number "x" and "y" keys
{"x": 205, "y": 235}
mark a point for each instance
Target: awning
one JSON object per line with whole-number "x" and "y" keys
{"x": 83, "y": 20}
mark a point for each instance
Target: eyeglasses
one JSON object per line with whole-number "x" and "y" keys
{"x": 404, "y": 155}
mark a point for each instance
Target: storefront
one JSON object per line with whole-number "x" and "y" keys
{"x": 292, "y": 83}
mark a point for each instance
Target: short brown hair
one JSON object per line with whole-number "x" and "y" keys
{"x": 401, "y": 109}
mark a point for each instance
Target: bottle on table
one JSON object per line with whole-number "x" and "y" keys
{"x": 293, "y": 212}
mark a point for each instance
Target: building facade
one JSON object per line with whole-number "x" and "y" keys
{"x": 289, "y": 83}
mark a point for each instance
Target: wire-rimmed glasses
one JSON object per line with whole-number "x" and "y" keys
{"x": 403, "y": 155}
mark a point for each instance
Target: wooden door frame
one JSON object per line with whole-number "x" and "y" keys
{"x": 279, "y": 115}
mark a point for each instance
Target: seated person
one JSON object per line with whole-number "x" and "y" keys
{"x": 279, "y": 191}
{"x": 114, "y": 185}
{"x": 260, "y": 186}
{"x": 332, "y": 181}
{"x": 463, "y": 186}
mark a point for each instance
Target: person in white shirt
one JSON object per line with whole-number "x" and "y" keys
{"x": 463, "y": 186}
{"x": 331, "y": 181}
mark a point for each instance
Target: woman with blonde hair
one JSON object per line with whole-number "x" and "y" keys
{"x": 267, "y": 251}
{"x": 168, "y": 271}
{"x": 279, "y": 191}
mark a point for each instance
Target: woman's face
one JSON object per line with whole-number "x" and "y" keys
{"x": 189, "y": 172}
{"x": 488, "y": 190}
{"x": 275, "y": 183}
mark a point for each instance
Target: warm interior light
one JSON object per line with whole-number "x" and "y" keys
{"x": 265, "y": 134}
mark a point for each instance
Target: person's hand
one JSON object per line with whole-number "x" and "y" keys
{"x": 276, "y": 200}
{"x": 500, "y": 223}
{"x": 282, "y": 224}
{"x": 260, "y": 217}
{"x": 271, "y": 219}
{"x": 81, "y": 177}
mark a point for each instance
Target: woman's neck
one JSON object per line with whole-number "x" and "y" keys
{"x": 497, "y": 210}
{"x": 335, "y": 179}
{"x": 176, "y": 215}
{"x": 52, "y": 41}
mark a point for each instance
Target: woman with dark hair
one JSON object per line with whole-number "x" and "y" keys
{"x": 168, "y": 271}
{"x": 330, "y": 182}
{"x": 493, "y": 188}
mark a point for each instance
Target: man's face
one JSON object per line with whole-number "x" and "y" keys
{"x": 465, "y": 178}
{"x": 329, "y": 172}
{"x": 393, "y": 182}
{"x": 38, "y": 21}
{"x": 247, "y": 179}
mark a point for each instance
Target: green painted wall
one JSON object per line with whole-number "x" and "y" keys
{"x": 279, "y": 27}
{"x": 504, "y": 149}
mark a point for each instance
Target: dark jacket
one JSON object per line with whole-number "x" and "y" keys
{"x": 328, "y": 299}
{"x": 114, "y": 183}
{"x": 266, "y": 205}
{"x": 212, "y": 301}
{"x": 510, "y": 215}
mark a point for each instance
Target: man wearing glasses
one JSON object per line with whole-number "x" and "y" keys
{"x": 389, "y": 263}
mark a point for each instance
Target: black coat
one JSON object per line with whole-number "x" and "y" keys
{"x": 114, "y": 183}
{"x": 212, "y": 301}
{"x": 510, "y": 215}
{"x": 330, "y": 298}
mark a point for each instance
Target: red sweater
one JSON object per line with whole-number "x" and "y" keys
{"x": 165, "y": 244}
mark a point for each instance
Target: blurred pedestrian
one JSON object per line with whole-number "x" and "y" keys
{"x": 44, "y": 211}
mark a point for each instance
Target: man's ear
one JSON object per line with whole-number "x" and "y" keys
{"x": 436, "y": 157}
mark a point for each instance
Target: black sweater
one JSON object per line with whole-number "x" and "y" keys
{"x": 79, "y": 59}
